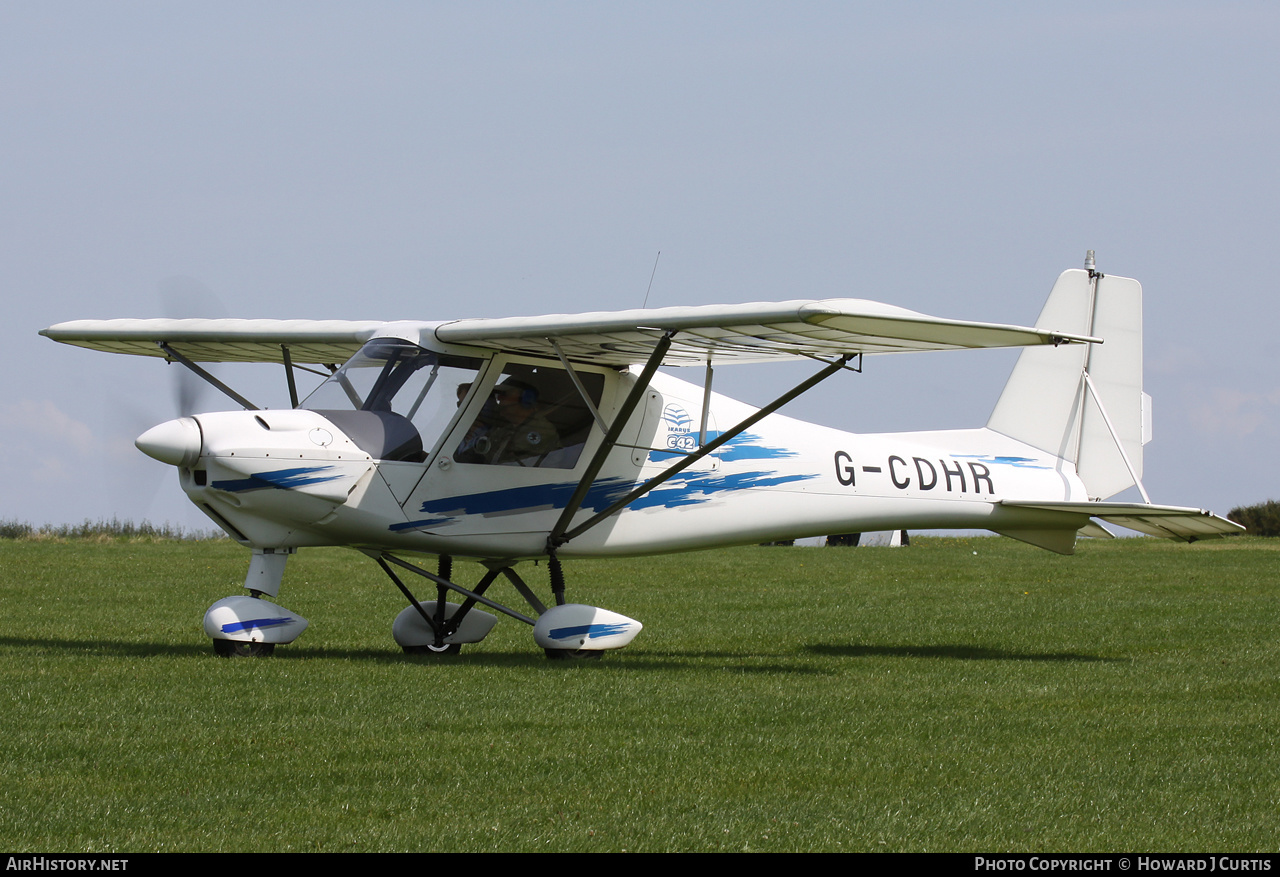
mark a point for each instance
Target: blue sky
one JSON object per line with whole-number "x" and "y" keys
{"x": 441, "y": 160}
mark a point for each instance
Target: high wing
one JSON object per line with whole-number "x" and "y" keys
{"x": 1170, "y": 522}
{"x": 757, "y": 332}
{"x": 322, "y": 341}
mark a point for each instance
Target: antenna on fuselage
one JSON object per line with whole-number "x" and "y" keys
{"x": 651, "y": 275}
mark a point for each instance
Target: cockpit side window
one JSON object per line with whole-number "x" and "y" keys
{"x": 534, "y": 417}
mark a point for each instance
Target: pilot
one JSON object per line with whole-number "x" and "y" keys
{"x": 515, "y": 429}
{"x": 467, "y": 451}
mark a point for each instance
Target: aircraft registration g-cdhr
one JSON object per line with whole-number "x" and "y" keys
{"x": 506, "y": 440}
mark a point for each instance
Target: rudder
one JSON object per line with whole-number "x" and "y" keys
{"x": 1046, "y": 402}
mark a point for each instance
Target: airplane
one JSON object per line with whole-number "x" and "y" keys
{"x": 556, "y": 437}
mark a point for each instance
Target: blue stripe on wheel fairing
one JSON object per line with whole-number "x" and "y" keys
{"x": 592, "y": 631}
{"x": 256, "y": 624}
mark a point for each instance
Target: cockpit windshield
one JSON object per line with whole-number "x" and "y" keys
{"x": 392, "y": 394}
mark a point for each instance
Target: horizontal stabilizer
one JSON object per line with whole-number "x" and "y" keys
{"x": 1165, "y": 521}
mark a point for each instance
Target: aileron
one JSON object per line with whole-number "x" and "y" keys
{"x": 754, "y": 332}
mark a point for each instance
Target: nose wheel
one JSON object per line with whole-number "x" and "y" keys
{"x": 250, "y": 627}
{"x": 228, "y": 648}
{"x": 574, "y": 654}
{"x": 432, "y": 649}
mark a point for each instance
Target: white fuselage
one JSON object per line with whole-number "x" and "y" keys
{"x": 292, "y": 478}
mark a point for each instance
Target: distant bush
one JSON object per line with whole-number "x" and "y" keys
{"x": 15, "y": 530}
{"x": 104, "y": 531}
{"x": 1262, "y": 519}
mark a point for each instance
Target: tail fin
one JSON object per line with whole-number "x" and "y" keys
{"x": 1047, "y": 402}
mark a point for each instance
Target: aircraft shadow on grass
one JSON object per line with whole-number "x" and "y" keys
{"x": 120, "y": 649}
{"x": 105, "y": 648}
{"x": 954, "y": 651}
{"x": 666, "y": 661}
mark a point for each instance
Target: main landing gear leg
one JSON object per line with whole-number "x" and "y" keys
{"x": 575, "y": 630}
{"x": 438, "y": 627}
{"x": 557, "y": 591}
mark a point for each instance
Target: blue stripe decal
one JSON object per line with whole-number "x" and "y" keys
{"x": 256, "y": 624}
{"x": 686, "y": 488}
{"x": 281, "y": 479}
{"x": 1016, "y": 462}
{"x": 747, "y": 446}
{"x": 593, "y": 631}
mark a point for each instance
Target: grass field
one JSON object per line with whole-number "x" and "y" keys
{"x": 960, "y": 694}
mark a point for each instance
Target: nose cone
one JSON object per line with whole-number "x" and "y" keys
{"x": 176, "y": 442}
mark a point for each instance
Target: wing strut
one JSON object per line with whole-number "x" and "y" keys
{"x": 559, "y": 536}
{"x": 556, "y": 537}
{"x": 288, "y": 373}
{"x": 706, "y": 403}
{"x": 175, "y": 355}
